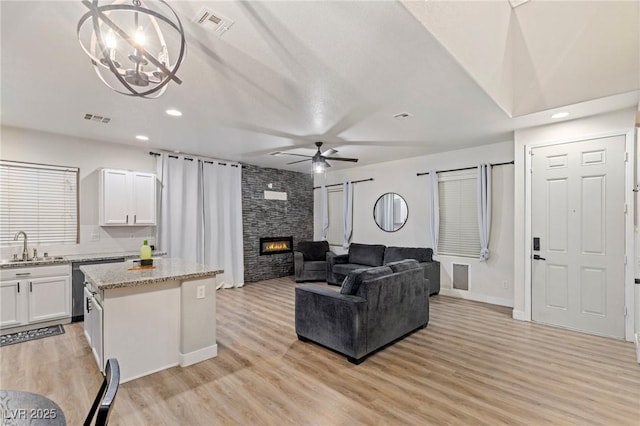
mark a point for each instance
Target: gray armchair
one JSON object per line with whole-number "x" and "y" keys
{"x": 310, "y": 261}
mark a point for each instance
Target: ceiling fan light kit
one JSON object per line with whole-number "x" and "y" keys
{"x": 319, "y": 161}
{"x": 127, "y": 44}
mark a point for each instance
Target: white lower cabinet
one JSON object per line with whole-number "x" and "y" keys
{"x": 33, "y": 295}
{"x": 12, "y": 309}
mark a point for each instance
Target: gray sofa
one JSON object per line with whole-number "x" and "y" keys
{"x": 368, "y": 255}
{"x": 374, "y": 307}
{"x": 310, "y": 261}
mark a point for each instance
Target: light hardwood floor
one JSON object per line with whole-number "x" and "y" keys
{"x": 472, "y": 365}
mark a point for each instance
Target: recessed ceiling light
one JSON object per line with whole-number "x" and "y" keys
{"x": 142, "y": 137}
{"x": 173, "y": 112}
{"x": 561, "y": 114}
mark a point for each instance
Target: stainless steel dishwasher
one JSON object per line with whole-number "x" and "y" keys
{"x": 77, "y": 285}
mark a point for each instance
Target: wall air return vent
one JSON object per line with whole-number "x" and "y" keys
{"x": 460, "y": 278}
{"x": 97, "y": 118}
{"x": 213, "y": 21}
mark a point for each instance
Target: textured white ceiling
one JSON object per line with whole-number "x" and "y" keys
{"x": 285, "y": 75}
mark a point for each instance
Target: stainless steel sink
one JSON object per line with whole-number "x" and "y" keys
{"x": 30, "y": 261}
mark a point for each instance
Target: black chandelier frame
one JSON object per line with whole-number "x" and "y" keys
{"x": 96, "y": 12}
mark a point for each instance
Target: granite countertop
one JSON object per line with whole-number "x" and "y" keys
{"x": 116, "y": 275}
{"x": 60, "y": 260}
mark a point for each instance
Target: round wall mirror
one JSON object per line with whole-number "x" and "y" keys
{"x": 390, "y": 212}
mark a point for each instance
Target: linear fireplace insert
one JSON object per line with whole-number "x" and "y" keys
{"x": 275, "y": 245}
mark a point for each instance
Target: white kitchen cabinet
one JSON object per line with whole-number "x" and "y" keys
{"x": 34, "y": 295}
{"x": 12, "y": 312}
{"x": 49, "y": 298}
{"x": 127, "y": 198}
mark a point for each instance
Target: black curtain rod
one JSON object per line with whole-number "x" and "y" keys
{"x": 465, "y": 168}
{"x": 338, "y": 184}
{"x": 156, "y": 154}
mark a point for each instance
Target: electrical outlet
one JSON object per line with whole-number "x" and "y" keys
{"x": 200, "y": 292}
{"x": 505, "y": 284}
{"x": 95, "y": 237}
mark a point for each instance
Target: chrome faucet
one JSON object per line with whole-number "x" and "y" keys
{"x": 25, "y": 251}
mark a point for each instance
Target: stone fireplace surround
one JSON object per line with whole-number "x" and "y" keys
{"x": 261, "y": 217}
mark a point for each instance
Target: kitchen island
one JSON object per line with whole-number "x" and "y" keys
{"x": 150, "y": 319}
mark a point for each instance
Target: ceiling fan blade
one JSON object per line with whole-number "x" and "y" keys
{"x": 353, "y": 160}
{"x": 329, "y": 152}
{"x": 297, "y": 155}
{"x": 300, "y": 161}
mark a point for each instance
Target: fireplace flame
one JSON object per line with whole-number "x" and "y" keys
{"x": 277, "y": 245}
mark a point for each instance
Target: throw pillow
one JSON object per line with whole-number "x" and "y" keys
{"x": 403, "y": 265}
{"x": 351, "y": 285}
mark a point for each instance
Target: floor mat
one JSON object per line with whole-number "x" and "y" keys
{"x": 25, "y": 336}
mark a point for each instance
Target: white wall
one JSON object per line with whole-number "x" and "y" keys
{"x": 89, "y": 156}
{"x": 400, "y": 177}
{"x": 620, "y": 122}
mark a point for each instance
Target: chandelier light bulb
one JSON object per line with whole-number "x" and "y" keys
{"x": 140, "y": 37}
{"x": 110, "y": 40}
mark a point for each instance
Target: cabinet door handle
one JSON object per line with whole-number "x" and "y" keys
{"x": 18, "y": 286}
{"x": 23, "y": 274}
{"x": 127, "y": 218}
{"x": 134, "y": 219}
{"x": 31, "y": 286}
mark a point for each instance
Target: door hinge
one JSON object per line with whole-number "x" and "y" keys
{"x": 626, "y": 311}
{"x": 625, "y": 208}
{"x": 625, "y": 260}
{"x": 626, "y": 157}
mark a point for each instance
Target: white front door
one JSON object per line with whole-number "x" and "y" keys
{"x": 578, "y": 229}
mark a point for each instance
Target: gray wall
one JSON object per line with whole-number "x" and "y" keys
{"x": 274, "y": 218}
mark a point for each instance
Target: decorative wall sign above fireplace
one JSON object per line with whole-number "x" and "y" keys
{"x": 276, "y": 245}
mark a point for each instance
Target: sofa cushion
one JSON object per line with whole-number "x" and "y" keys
{"x": 366, "y": 254}
{"x": 421, "y": 254}
{"x": 313, "y": 250}
{"x": 345, "y": 268}
{"x": 353, "y": 280}
{"x": 403, "y": 265}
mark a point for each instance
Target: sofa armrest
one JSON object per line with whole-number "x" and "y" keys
{"x": 333, "y": 258}
{"x": 432, "y": 273}
{"x": 298, "y": 264}
{"x": 331, "y": 319}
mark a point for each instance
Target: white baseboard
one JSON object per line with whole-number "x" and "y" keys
{"x": 519, "y": 315}
{"x": 199, "y": 355}
{"x": 638, "y": 347}
{"x": 124, "y": 379}
{"x": 476, "y": 297}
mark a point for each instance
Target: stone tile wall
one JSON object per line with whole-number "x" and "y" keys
{"x": 274, "y": 218}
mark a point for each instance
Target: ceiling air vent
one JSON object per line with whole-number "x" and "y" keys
{"x": 97, "y": 118}
{"x": 213, "y": 21}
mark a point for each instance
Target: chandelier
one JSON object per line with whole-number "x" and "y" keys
{"x": 127, "y": 44}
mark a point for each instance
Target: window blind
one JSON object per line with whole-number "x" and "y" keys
{"x": 40, "y": 200}
{"x": 459, "y": 234}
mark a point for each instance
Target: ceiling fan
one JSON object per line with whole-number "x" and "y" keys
{"x": 319, "y": 160}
